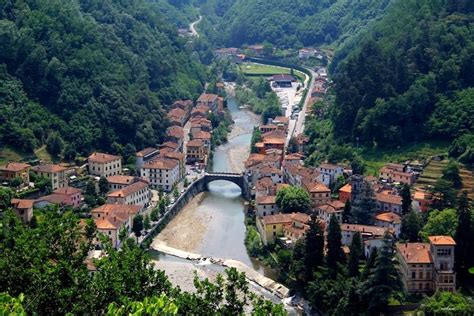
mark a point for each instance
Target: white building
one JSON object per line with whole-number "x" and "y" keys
{"x": 162, "y": 173}
{"x": 136, "y": 193}
{"x": 389, "y": 220}
{"x": 326, "y": 211}
{"x": 333, "y": 171}
{"x": 104, "y": 165}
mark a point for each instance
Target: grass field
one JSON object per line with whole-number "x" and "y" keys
{"x": 9, "y": 154}
{"x": 253, "y": 69}
{"x": 376, "y": 158}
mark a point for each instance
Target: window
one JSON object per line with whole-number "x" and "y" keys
{"x": 444, "y": 252}
{"x": 413, "y": 274}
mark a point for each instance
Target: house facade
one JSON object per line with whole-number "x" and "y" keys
{"x": 104, "y": 165}
{"x": 136, "y": 193}
{"x": 56, "y": 173}
{"x": 13, "y": 170}
{"x": 162, "y": 173}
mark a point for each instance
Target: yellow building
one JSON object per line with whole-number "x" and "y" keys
{"x": 14, "y": 170}
{"x": 56, "y": 173}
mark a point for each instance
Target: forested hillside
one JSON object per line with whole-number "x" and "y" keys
{"x": 99, "y": 72}
{"x": 291, "y": 23}
{"x": 410, "y": 78}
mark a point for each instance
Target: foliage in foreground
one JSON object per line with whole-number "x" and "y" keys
{"x": 45, "y": 268}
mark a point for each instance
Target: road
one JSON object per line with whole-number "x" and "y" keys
{"x": 299, "y": 128}
{"x": 192, "y": 27}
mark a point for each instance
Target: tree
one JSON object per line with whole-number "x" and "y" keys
{"x": 357, "y": 165}
{"x": 6, "y": 195}
{"x": 186, "y": 182}
{"x": 335, "y": 255}
{"x": 33, "y": 222}
{"x": 444, "y": 195}
{"x": 451, "y": 174}
{"x": 137, "y": 226}
{"x": 11, "y": 305}
{"x": 346, "y": 214}
{"x": 103, "y": 185}
{"x": 16, "y": 182}
{"x": 440, "y": 223}
{"x": 441, "y": 302}
{"x": 90, "y": 188}
{"x": 385, "y": 280}
{"x": 256, "y": 137}
{"x": 293, "y": 145}
{"x": 175, "y": 192}
{"x": 406, "y": 198}
{"x": 54, "y": 144}
{"x": 293, "y": 199}
{"x": 369, "y": 265}
{"x": 464, "y": 237}
{"x": 412, "y": 223}
{"x": 123, "y": 234}
{"x": 69, "y": 153}
{"x": 355, "y": 254}
{"x": 314, "y": 248}
{"x": 363, "y": 210}
{"x": 146, "y": 222}
{"x": 155, "y": 215}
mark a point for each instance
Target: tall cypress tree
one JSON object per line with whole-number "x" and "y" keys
{"x": 364, "y": 209}
{"x": 406, "y": 198}
{"x": 314, "y": 248}
{"x": 335, "y": 255}
{"x": 354, "y": 255}
{"x": 385, "y": 279}
{"x": 464, "y": 238}
{"x": 346, "y": 214}
{"x": 412, "y": 223}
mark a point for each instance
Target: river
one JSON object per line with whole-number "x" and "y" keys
{"x": 213, "y": 223}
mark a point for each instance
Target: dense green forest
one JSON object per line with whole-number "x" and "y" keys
{"x": 99, "y": 72}
{"x": 287, "y": 23}
{"x": 409, "y": 78}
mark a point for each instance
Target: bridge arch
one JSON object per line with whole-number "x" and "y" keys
{"x": 236, "y": 178}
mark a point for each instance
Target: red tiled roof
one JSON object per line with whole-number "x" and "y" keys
{"x": 207, "y": 97}
{"x": 119, "y": 179}
{"x": 15, "y": 166}
{"x": 415, "y": 252}
{"x": 195, "y": 143}
{"x": 102, "y": 158}
{"x": 388, "y": 198}
{"x": 67, "y": 191}
{"x": 374, "y": 230}
{"x": 130, "y": 189}
{"x": 22, "y": 203}
{"x": 442, "y": 240}
{"x": 347, "y": 188}
{"x": 389, "y": 217}
{"x": 175, "y": 131}
{"x": 145, "y": 152}
{"x": 266, "y": 199}
{"x": 49, "y": 168}
{"x": 201, "y": 135}
{"x": 161, "y": 163}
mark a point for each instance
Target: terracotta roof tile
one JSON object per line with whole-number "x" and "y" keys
{"x": 102, "y": 158}
{"x": 415, "y": 252}
{"x": 48, "y": 168}
{"x": 14, "y": 166}
{"x": 442, "y": 240}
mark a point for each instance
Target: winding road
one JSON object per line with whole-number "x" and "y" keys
{"x": 192, "y": 27}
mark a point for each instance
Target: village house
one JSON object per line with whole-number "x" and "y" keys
{"x": 13, "y": 170}
{"x": 397, "y": 173}
{"x": 270, "y": 140}
{"x": 196, "y": 151}
{"x": 144, "y": 156}
{"x": 306, "y": 53}
{"x": 428, "y": 267}
{"x": 209, "y": 100}
{"x": 104, "y": 165}
{"x": 422, "y": 201}
{"x": 297, "y": 228}
{"x": 281, "y": 121}
{"x": 163, "y": 173}
{"x": 266, "y": 205}
{"x": 55, "y": 173}
{"x": 256, "y": 49}
{"x": 345, "y": 193}
{"x": 200, "y": 111}
{"x": 282, "y": 81}
{"x": 205, "y": 137}
{"x": 389, "y": 220}
{"x": 200, "y": 124}
{"x": 111, "y": 218}
{"x": 226, "y": 52}
{"x": 296, "y": 174}
{"x": 271, "y": 172}
{"x": 301, "y": 141}
{"x": 269, "y": 128}
{"x": 326, "y": 211}
{"x": 119, "y": 182}
{"x": 387, "y": 202}
{"x": 136, "y": 193}
{"x": 271, "y": 227}
{"x": 169, "y": 146}
{"x": 178, "y": 157}
{"x": 319, "y": 193}
{"x": 178, "y": 116}
{"x": 23, "y": 209}
{"x": 175, "y": 134}
{"x": 366, "y": 231}
{"x": 185, "y": 105}
{"x": 62, "y": 197}
{"x": 332, "y": 170}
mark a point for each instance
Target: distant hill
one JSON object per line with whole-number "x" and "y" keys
{"x": 100, "y": 73}
{"x": 409, "y": 77}
{"x": 288, "y": 23}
